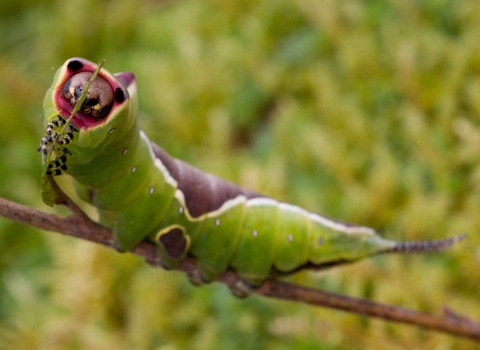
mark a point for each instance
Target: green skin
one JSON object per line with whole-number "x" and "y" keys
{"x": 116, "y": 168}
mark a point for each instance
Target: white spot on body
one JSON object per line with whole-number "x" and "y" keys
{"x": 111, "y": 131}
{"x": 134, "y": 169}
{"x": 125, "y": 151}
{"x": 254, "y": 233}
{"x": 290, "y": 237}
{"x": 152, "y": 190}
{"x": 217, "y": 222}
{"x": 180, "y": 210}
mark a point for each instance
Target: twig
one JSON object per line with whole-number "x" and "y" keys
{"x": 81, "y": 226}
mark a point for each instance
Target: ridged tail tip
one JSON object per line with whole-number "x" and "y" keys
{"x": 433, "y": 246}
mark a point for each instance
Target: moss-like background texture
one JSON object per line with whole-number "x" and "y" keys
{"x": 364, "y": 111}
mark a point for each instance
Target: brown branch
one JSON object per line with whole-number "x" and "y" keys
{"x": 80, "y": 226}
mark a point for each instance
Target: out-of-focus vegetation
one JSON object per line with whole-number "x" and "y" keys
{"x": 365, "y": 111}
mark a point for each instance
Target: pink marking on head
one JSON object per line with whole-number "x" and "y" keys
{"x": 82, "y": 120}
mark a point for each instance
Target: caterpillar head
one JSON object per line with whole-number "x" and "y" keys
{"x": 110, "y": 101}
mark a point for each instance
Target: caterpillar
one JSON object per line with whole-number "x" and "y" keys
{"x": 141, "y": 192}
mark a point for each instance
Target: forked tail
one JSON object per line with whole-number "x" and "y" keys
{"x": 425, "y": 246}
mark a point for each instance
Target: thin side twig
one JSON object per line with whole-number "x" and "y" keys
{"x": 81, "y": 226}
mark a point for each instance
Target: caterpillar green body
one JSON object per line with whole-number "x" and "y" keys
{"x": 143, "y": 193}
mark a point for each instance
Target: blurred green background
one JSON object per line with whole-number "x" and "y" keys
{"x": 365, "y": 111}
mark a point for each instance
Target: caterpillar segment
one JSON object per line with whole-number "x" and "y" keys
{"x": 141, "y": 192}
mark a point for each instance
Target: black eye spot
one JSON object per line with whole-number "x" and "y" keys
{"x": 119, "y": 96}
{"x": 75, "y": 65}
